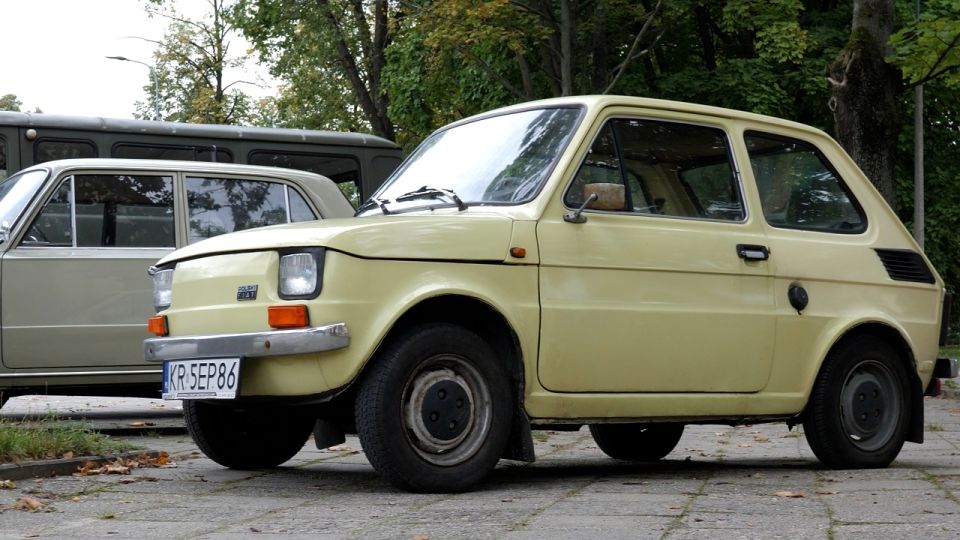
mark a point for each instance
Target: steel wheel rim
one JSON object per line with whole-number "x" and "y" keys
{"x": 438, "y": 442}
{"x": 870, "y": 405}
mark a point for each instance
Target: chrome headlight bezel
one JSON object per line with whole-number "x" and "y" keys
{"x": 162, "y": 287}
{"x": 292, "y": 262}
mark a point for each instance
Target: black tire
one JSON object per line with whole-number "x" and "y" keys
{"x": 637, "y": 442}
{"x": 247, "y": 437}
{"x": 434, "y": 412}
{"x": 859, "y": 410}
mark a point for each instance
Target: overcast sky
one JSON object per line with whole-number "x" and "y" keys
{"x": 54, "y": 54}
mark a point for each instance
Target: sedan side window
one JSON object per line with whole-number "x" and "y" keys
{"x": 107, "y": 210}
{"x": 222, "y": 205}
{"x": 798, "y": 187}
{"x": 661, "y": 168}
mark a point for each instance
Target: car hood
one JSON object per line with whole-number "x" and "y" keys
{"x": 464, "y": 237}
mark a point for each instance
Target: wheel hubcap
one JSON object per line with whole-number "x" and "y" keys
{"x": 446, "y": 410}
{"x": 870, "y": 405}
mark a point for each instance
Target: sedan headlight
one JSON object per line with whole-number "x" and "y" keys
{"x": 162, "y": 289}
{"x": 300, "y": 274}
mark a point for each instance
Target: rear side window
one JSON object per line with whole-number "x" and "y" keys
{"x": 222, "y": 205}
{"x": 51, "y": 149}
{"x": 107, "y": 211}
{"x": 344, "y": 170}
{"x": 799, "y": 189}
{"x": 659, "y": 168}
{"x": 166, "y": 151}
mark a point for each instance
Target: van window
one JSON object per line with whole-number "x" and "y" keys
{"x": 222, "y": 205}
{"x": 798, "y": 187}
{"x": 167, "y": 151}
{"x": 109, "y": 211}
{"x": 3, "y": 158}
{"x": 344, "y": 170}
{"x": 51, "y": 149}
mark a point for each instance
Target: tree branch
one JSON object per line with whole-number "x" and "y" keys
{"x": 622, "y": 68}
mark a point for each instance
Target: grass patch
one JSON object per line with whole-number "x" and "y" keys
{"x": 51, "y": 438}
{"x": 950, "y": 351}
{"x": 934, "y": 427}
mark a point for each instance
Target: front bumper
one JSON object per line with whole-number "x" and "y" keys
{"x": 251, "y": 345}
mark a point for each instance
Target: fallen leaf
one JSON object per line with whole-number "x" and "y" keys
{"x": 28, "y": 503}
{"x": 75, "y": 499}
{"x": 758, "y": 475}
{"x": 7, "y": 484}
{"x": 136, "y": 424}
{"x": 421, "y": 537}
{"x": 744, "y": 445}
{"x": 822, "y": 491}
{"x": 760, "y": 438}
{"x": 67, "y": 455}
{"x": 254, "y": 530}
{"x": 31, "y": 535}
{"x": 790, "y": 494}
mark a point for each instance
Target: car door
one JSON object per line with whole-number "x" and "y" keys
{"x": 75, "y": 288}
{"x": 666, "y": 287}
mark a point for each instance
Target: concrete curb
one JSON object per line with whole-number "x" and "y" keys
{"x": 62, "y": 467}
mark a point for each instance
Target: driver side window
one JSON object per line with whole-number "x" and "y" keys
{"x": 662, "y": 168}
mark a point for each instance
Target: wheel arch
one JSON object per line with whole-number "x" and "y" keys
{"x": 493, "y": 327}
{"x": 895, "y": 338}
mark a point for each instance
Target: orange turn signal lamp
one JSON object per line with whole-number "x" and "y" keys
{"x": 157, "y": 325}
{"x": 288, "y": 316}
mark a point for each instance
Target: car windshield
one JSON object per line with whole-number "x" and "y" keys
{"x": 15, "y": 193}
{"x": 502, "y": 159}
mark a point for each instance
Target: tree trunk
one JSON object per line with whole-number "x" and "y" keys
{"x": 864, "y": 89}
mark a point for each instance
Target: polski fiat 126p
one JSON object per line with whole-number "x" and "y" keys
{"x": 628, "y": 264}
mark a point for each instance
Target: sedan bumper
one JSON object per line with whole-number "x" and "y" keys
{"x": 254, "y": 344}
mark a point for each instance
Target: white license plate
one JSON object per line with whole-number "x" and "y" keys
{"x": 209, "y": 378}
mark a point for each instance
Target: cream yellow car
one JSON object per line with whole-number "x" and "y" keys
{"x": 628, "y": 264}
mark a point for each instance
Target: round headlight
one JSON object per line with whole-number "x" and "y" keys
{"x": 298, "y": 275}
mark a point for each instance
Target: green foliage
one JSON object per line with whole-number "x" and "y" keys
{"x": 930, "y": 47}
{"x": 9, "y": 102}
{"x": 191, "y": 64}
{"x": 52, "y": 438}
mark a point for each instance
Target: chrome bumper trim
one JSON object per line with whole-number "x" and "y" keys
{"x": 29, "y": 374}
{"x": 273, "y": 343}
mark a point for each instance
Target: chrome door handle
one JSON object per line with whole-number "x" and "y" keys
{"x": 752, "y": 252}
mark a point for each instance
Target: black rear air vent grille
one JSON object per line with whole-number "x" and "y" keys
{"x": 905, "y": 265}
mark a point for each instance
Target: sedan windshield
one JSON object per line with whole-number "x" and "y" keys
{"x": 15, "y": 193}
{"x": 501, "y": 159}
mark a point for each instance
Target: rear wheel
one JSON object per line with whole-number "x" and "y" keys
{"x": 637, "y": 442}
{"x": 434, "y": 412}
{"x": 247, "y": 437}
{"x": 858, "y": 412}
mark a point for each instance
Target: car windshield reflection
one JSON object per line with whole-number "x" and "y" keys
{"x": 502, "y": 159}
{"x": 15, "y": 194}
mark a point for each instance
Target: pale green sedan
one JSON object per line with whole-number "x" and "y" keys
{"x": 77, "y": 238}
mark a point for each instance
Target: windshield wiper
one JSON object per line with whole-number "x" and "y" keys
{"x": 382, "y": 203}
{"x": 427, "y": 192}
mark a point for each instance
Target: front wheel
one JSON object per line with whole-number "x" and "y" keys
{"x": 434, "y": 412}
{"x": 247, "y": 437}
{"x": 637, "y": 442}
{"x": 858, "y": 412}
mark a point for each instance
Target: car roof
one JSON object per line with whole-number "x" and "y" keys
{"x": 602, "y": 101}
{"x": 325, "y": 193}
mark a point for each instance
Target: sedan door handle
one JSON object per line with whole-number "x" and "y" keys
{"x": 752, "y": 252}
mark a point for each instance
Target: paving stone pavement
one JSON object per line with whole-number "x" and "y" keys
{"x": 721, "y": 482}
